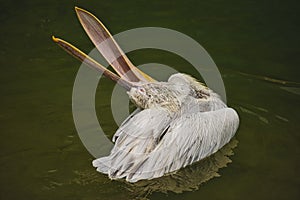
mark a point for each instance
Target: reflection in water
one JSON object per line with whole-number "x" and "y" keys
{"x": 258, "y": 111}
{"x": 271, "y": 80}
{"x": 294, "y": 90}
{"x": 261, "y": 118}
{"x": 186, "y": 179}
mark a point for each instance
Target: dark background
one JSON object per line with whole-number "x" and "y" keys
{"x": 254, "y": 43}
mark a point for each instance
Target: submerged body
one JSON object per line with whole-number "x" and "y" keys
{"x": 180, "y": 122}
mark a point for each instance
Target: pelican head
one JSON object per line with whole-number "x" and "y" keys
{"x": 153, "y": 95}
{"x": 143, "y": 90}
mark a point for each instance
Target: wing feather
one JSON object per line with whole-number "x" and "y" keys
{"x": 135, "y": 140}
{"x": 138, "y": 153}
{"x": 190, "y": 138}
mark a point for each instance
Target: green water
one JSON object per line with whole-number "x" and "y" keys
{"x": 254, "y": 43}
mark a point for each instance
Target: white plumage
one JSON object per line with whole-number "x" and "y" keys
{"x": 177, "y": 122}
{"x": 157, "y": 140}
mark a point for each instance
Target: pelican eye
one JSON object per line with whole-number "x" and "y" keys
{"x": 142, "y": 90}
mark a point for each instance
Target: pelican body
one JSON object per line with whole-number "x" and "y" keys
{"x": 176, "y": 123}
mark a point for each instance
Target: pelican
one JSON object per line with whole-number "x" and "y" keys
{"x": 176, "y": 123}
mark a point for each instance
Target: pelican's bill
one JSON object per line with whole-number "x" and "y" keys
{"x": 108, "y": 47}
{"x": 91, "y": 62}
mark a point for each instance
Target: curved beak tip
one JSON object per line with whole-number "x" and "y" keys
{"x": 77, "y": 9}
{"x": 54, "y": 38}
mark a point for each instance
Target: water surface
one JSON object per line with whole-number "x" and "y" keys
{"x": 254, "y": 43}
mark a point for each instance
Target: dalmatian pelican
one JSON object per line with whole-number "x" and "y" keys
{"x": 176, "y": 123}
